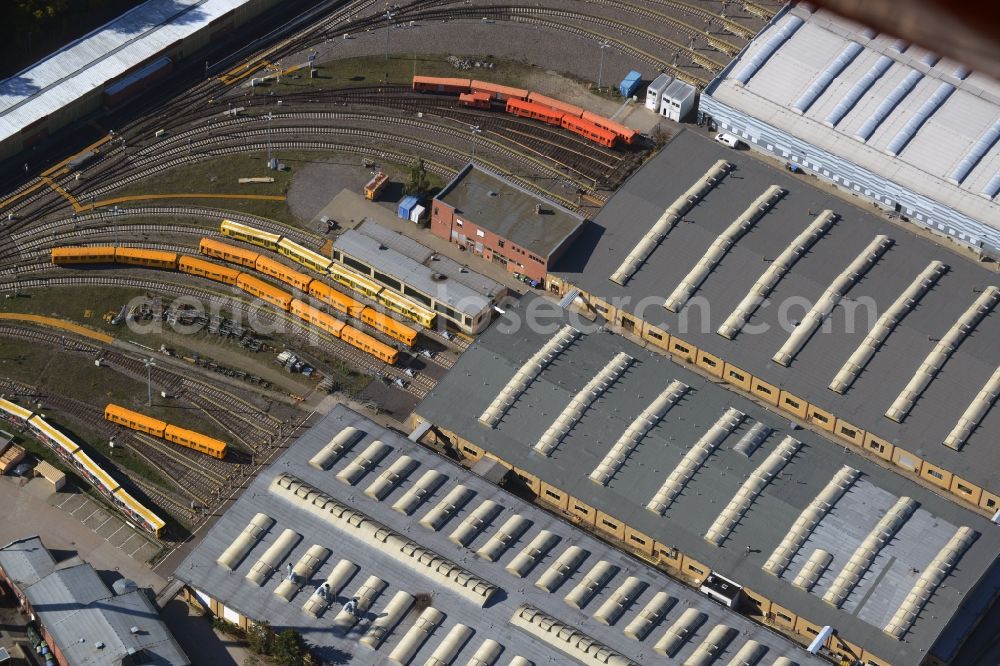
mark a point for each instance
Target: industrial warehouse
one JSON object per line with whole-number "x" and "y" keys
{"x": 689, "y": 281}
{"x": 665, "y": 463}
{"x": 885, "y": 120}
{"x": 111, "y": 65}
{"x": 612, "y": 334}
{"x": 500, "y": 222}
{"x": 442, "y": 566}
{"x": 450, "y": 290}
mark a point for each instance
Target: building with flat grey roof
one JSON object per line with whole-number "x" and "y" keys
{"x": 853, "y": 370}
{"x": 102, "y": 67}
{"x": 889, "y": 121}
{"x": 699, "y": 479}
{"x": 444, "y": 286}
{"x": 501, "y": 222}
{"x": 83, "y": 621}
{"x": 441, "y": 564}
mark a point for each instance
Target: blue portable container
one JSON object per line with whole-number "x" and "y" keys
{"x": 407, "y": 205}
{"x": 630, "y": 84}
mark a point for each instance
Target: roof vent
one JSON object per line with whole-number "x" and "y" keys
{"x": 438, "y": 277}
{"x": 381, "y": 246}
{"x": 134, "y": 630}
{"x": 99, "y": 645}
{"x": 494, "y": 194}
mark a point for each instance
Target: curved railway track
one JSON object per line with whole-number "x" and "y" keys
{"x": 418, "y": 386}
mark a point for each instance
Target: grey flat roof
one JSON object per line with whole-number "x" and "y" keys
{"x": 101, "y": 56}
{"x": 926, "y": 162}
{"x": 25, "y": 561}
{"x": 508, "y": 211}
{"x": 201, "y": 571}
{"x": 391, "y": 262}
{"x": 608, "y": 239}
{"x": 485, "y": 368}
{"x": 660, "y": 83}
{"x": 81, "y": 613}
{"x": 426, "y": 256}
{"x": 679, "y": 90}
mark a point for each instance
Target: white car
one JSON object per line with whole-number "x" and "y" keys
{"x": 727, "y": 140}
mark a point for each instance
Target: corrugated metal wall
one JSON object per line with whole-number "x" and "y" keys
{"x": 920, "y": 209}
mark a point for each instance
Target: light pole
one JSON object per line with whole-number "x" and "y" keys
{"x": 388, "y": 26}
{"x": 270, "y": 117}
{"x": 600, "y": 72}
{"x": 476, "y": 130}
{"x": 149, "y": 363}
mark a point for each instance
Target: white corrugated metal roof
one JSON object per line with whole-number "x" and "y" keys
{"x": 100, "y": 56}
{"x": 927, "y": 159}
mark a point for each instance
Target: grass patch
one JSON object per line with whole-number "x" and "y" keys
{"x": 221, "y": 176}
{"x": 89, "y": 304}
{"x": 398, "y": 69}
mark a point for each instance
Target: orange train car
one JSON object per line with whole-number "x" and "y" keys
{"x": 264, "y": 291}
{"x": 136, "y": 256}
{"x": 134, "y": 420}
{"x": 389, "y": 326}
{"x": 318, "y": 318}
{"x": 559, "y": 105}
{"x": 627, "y": 134}
{"x": 195, "y": 441}
{"x": 440, "y": 84}
{"x": 368, "y": 344}
{"x": 339, "y": 302}
{"x": 477, "y": 100}
{"x": 499, "y": 92}
{"x": 278, "y": 270}
{"x": 534, "y": 111}
{"x": 226, "y": 252}
{"x": 589, "y": 130}
{"x": 103, "y": 254}
{"x": 186, "y": 438}
{"x": 352, "y": 308}
{"x": 206, "y": 269}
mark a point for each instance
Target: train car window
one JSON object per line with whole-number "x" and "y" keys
{"x": 423, "y": 298}
{"x": 354, "y": 263}
{"x": 388, "y": 281}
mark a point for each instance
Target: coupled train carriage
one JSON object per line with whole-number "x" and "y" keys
{"x": 62, "y": 256}
{"x": 341, "y": 274}
{"x": 547, "y": 114}
{"x": 529, "y": 104}
{"x": 74, "y": 456}
{"x": 163, "y": 430}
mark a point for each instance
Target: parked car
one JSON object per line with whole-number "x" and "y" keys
{"x": 727, "y": 140}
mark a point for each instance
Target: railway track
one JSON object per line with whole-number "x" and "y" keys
{"x": 582, "y": 157}
{"x": 268, "y": 318}
{"x": 92, "y": 418}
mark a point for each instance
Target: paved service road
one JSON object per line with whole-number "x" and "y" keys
{"x": 73, "y": 521}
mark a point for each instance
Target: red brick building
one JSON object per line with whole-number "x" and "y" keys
{"x": 497, "y": 220}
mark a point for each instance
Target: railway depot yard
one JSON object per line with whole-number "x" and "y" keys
{"x": 343, "y": 316}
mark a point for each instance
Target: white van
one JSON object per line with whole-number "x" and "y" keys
{"x": 727, "y": 140}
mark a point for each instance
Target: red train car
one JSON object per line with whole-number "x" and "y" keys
{"x": 497, "y": 91}
{"x": 569, "y": 109}
{"x": 477, "y": 100}
{"x": 440, "y": 85}
{"x": 534, "y": 111}
{"x": 589, "y": 130}
{"x": 627, "y": 134}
